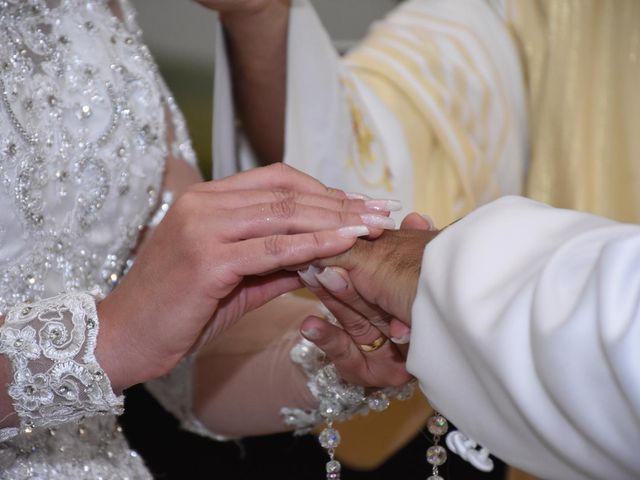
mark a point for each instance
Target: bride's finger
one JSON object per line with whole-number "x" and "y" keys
{"x": 363, "y": 321}
{"x": 290, "y": 217}
{"x": 229, "y": 200}
{"x": 277, "y": 176}
{"x": 257, "y": 256}
{"x": 399, "y": 332}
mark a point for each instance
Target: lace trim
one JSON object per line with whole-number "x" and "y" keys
{"x": 337, "y": 399}
{"x": 55, "y": 375}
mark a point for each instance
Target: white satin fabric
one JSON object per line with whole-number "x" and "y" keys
{"x": 526, "y": 335}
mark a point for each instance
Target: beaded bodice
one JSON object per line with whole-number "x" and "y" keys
{"x": 82, "y": 145}
{"x": 84, "y": 118}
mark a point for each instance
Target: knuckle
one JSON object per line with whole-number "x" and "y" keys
{"x": 276, "y": 245}
{"x": 284, "y": 208}
{"x": 334, "y": 192}
{"x": 279, "y": 169}
{"x": 342, "y": 354}
{"x": 361, "y": 329}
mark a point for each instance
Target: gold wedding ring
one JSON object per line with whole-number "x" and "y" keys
{"x": 373, "y": 346}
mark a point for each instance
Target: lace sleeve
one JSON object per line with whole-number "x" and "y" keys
{"x": 55, "y": 376}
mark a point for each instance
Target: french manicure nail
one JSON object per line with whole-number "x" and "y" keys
{"x": 378, "y": 221}
{"x": 332, "y": 280}
{"x": 357, "y": 196}
{"x": 308, "y": 276}
{"x": 383, "y": 205}
{"x": 429, "y": 220}
{"x": 311, "y": 333}
{"x": 353, "y": 231}
{"x": 402, "y": 340}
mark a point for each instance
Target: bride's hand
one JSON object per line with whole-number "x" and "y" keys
{"x": 361, "y": 325}
{"x": 197, "y": 273}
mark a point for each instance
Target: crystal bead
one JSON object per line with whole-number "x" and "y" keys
{"x": 406, "y": 392}
{"x": 436, "y": 455}
{"x": 437, "y": 425}
{"x": 85, "y": 112}
{"x": 378, "y": 401}
{"x": 63, "y": 390}
{"x": 330, "y": 409}
{"x": 333, "y": 466}
{"x": 329, "y": 438}
{"x": 333, "y": 476}
{"x": 18, "y": 343}
{"x": 91, "y": 324}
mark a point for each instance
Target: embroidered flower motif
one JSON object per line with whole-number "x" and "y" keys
{"x": 32, "y": 393}
{"x": 19, "y": 343}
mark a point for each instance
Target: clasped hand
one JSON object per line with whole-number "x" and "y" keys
{"x": 223, "y": 249}
{"x": 370, "y": 290}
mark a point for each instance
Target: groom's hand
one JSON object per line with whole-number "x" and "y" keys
{"x": 385, "y": 272}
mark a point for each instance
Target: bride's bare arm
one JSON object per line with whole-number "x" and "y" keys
{"x": 243, "y": 378}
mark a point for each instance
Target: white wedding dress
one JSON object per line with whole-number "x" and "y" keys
{"x": 84, "y": 117}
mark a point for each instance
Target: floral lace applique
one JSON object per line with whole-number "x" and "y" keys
{"x": 55, "y": 375}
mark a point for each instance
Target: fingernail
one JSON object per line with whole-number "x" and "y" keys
{"x": 310, "y": 333}
{"x": 308, "y": 276}
{"x": 353, "y": 231}
{"x": 383, "y": 205}
{"x": 378, "y": 221}
{"x": 356, "y": 196}
{"x": 402, "y": 340}
{"x": 332, "y": 280}
{"x": 432, "y": 226}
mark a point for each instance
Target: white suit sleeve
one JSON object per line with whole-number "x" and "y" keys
{"x": 526, "y": 335}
